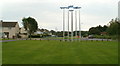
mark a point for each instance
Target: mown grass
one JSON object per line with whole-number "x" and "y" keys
{"x": 56, "y": 52}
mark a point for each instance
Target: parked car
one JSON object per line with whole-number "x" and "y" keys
{"x": 91, "y": 36}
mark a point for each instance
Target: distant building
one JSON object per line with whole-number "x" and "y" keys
{"x": 38, "y": 32}
{"x": 23, "y": 33}
{"x": 9, "y": 29}
{"x": 103, "y": 33}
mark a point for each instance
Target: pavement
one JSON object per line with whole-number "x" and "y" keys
{"x": 7, "y": 40}
{"x": 11, "y": 40}
{"x": 95, "y": 39}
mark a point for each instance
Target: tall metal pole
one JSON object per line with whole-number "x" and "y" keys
{"x": 63, "y": 25}
{"x": 68, "y": 25}
{"x": 71, "y": 7}
{"x": 71, "y": 25}
{"x": 76, "y": 23}
{"x": 79, "y": 27}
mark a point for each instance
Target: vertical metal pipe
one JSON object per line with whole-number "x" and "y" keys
{"x": 76, "y": 23}
{"x": 79, "y": 27}
{"x": 71, "y": 25}
{"x": 68, "y": 25}
{"x": 63, "y": 25}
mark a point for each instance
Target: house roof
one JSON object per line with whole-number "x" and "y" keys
{"x": 9, "y": 24}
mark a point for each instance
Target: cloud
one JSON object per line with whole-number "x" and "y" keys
{"x": 49, "y": 15}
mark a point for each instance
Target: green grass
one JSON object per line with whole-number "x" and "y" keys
{"x": 56, "y": 52}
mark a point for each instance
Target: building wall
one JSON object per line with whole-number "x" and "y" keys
{"x": 10, "y": 30}
{"x": 17, "y": 29}
{"x": 22, "y": 31}
{"x": 13, "y": 31}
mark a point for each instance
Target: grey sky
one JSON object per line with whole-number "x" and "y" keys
{"x": 49, "y": 16}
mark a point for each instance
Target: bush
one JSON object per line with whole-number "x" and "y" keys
{"x": 39, "y": 36}
{"x": 114, "y": 37}
{"x": 102, "y": 36}
{"x": 36, "y": 36}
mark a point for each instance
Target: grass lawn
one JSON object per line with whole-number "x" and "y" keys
{"x": 56, "y": 52}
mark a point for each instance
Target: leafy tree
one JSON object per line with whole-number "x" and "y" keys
{"x": 60, "y": 33}
{"x": 84, "y": 33}
{"x": 53, "y": 32}
{"x": 105, "y": 28}
{"x": 113, "y": 27}
{"x": 94, "y": 31}
{"x": 30, "y": 25}
{"x": 98, "y": 30}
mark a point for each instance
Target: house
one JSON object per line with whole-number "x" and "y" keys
{"x": 38, "y": 32}
{"x": 103, "y": 33}
{"x": 10, "y": 29}
{"x": 23, "y": 33}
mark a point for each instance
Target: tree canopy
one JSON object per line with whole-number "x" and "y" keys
{"x": 97, "y": 30}
{"x": 113, "y": 27}
{"x": 30, "y": 25}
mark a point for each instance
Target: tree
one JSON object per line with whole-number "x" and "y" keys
{"x": 98, "y": 30}
{"x": 113, "y": 27}
{"x": 30, "y": 25}
{"x": 53, "y": 32}
{"x": 94, "y": 31}
{"x": 105, "y": 28}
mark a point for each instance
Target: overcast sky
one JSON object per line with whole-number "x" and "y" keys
{"x": 49, "y": 15}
